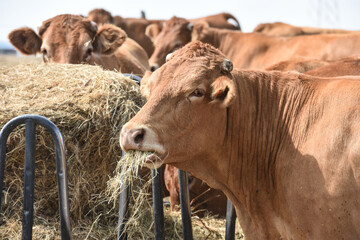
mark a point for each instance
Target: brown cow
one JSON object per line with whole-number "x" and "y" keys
{"x": 300, "y": 65}
{"x": 258, "y": 51}
{"x": 202, "y": 197}
{"x": 176, "y": 32}
{"x": 341, "y": 67}
{"x": 134, "y": 27}
{"x": 284, "y": 147}
{"x": 280, "y": 29}
{"x": 74, "y": 39}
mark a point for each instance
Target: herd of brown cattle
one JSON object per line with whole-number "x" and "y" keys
{"x": 279, "y": 134}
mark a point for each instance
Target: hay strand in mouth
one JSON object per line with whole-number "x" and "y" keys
{"x": 126, "y": 172}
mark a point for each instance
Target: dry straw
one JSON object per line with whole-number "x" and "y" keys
{"x": 89, "y": 106}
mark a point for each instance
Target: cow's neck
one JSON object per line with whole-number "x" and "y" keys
{"x": 262, "y": 123}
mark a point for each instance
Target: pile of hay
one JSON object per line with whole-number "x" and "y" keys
{"x": 89, "y": 106}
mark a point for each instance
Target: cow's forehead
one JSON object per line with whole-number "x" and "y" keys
{"x": 67, "y": 27}
{"x": 195, "y": 62}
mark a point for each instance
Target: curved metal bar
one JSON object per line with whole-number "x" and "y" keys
{"x": 60, "y": 164}
{"x": 133, "y": 77}
{"x": 157, "y": 195}
{"x": 185, "y": 205}
{"x": 230, "y": 221}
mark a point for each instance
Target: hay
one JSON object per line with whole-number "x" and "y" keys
{"x": 89, "y": 106}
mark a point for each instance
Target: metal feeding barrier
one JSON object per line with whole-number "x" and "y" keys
{"x": 157, "y": 195}
{"x": 30, "y": 122}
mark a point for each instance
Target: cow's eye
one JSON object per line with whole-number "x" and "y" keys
{"x": 88, "y": 54}
{"x": 197, "y": 93}
{"x": 45, "y": 55}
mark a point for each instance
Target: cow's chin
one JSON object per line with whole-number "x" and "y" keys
{"x": 154, "y": 161}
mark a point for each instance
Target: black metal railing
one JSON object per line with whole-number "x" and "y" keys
{"x": 29, "y": 170}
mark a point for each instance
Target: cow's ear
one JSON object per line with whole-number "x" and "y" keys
{"x": 153, "y": 30}
{"x": 25, "y": 40}
{"x": 198, "y": 31}
{"x": 145, "y": 84}
{"x": 108, "y": 39}
{"x": 223, "y": 91}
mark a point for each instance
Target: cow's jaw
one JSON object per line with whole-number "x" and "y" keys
{"x": 142, "y": 138}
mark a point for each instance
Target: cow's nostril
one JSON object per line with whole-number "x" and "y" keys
{"x": 152, "y": 68}
{"x": 138, "y": 136}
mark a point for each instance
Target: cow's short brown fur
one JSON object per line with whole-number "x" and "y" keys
{"x": 280, "y": 29}
{"x": 259, "y": 51}
{"x": 314, "y": 67}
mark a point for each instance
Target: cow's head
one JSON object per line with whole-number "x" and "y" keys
{"x": 186, "y": 112}
{"x": 68, "y": 39}
{"x": 174, "y": 34}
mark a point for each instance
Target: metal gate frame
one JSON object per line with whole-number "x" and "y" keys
{"x": 31, "y": 121}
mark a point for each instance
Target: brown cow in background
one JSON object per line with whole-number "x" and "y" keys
{"x": 74, "y": 39}
{"x": 258, "y": 51}
{"x": 314, "y": 67}
{"x": 176, "y": 32}
{"x": 145, "y": 31}
{"x": 280, "y": 29}
{"x": 134, "y": 27}
{"x": 201, "y": 195}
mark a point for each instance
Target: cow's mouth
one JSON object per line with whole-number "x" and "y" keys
{"x": 155, "y": 160}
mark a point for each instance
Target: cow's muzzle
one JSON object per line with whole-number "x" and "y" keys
{"x": 141, "y": 138}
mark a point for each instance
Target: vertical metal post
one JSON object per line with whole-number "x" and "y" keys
{"x": 3, "y": 139}
{"x": 29, "y": 175}
{"x": 157, "y": 195}
{"x": 230, "y": 221}
{"x": 124, "y": 212}
{"x": 185, "y": 205}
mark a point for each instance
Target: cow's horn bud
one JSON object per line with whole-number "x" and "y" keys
{"x": 190, "y": 26}
{"x": 227, "y": 65}
{"x": 94, "y": 27}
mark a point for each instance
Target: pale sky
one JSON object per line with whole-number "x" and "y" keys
{"x": 316, "y": 13}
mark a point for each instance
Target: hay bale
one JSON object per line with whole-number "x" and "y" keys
{"x": 89, "y": 106}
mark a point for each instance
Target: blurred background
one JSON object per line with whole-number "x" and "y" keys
{"x": 342, "y": 14}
